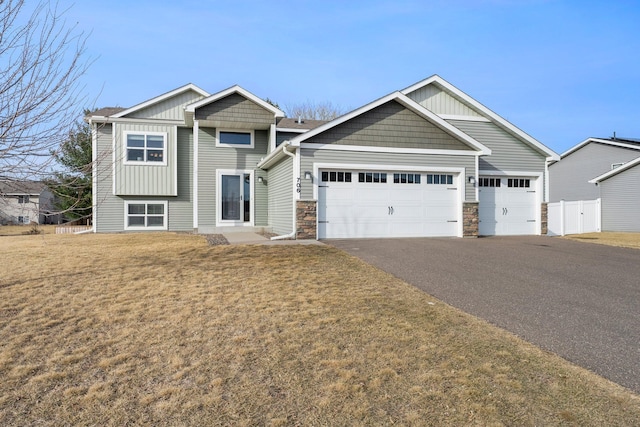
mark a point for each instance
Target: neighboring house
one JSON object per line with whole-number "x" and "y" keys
{"x": 620, "y": 197}
{"x": 425, "y": 161}
{"x": 26, "y": 202}
{"x": 569, "y": 178}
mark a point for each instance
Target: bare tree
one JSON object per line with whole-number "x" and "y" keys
{"x": 314, "y": 111}
{"x": 41, "y": 63}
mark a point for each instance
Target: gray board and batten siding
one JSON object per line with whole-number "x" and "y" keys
{"x": 620, "y": 201}
{"x": 109, "y": 208}
{"x": 212, "y": 158}
{"x": 281, "y": 200}
{"x": 145, "y": 179}
{"x": 569, "y": 178}
{"x": 390, "y": 125}
{"x": 432, "y": 161}
{"x": 440, "y": 102}
{"x": 170, "y": 109}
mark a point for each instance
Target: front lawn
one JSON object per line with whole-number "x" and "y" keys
{"x": 626, "y": 240}
{"x": 164, "y": 330}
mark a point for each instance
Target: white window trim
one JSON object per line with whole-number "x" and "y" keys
{"x": 165, "y": 149}
{"x": 146, "y": 202}
{"x": 250, "y": 132}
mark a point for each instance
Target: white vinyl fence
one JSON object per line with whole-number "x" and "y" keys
{"x": 582, "y": 216}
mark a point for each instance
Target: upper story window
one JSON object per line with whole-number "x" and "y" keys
{"x": 23, "y": 199}
{"x": 147, "y": 148}
{"x": 234, "y": 138}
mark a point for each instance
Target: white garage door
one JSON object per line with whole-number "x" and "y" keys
{"x": 354, "y": 204}
{"x": 507, "y": 206}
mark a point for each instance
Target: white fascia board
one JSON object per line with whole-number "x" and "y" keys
{"x": 371, "y": 149}
{"x": 598, "y": 141}
{"x": 101, "y": 119}
{"x": 439, "y": 81}
{"x": 235, "y": 89}
{"x": 407, "y": 103}
{"x": 161, "y": 98}
{"x": 292, "y": 130}
{"x": 615, "y": 171}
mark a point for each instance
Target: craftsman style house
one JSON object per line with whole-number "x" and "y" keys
{"x": 425, "y": 161}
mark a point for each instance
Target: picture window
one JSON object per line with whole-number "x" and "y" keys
{"x": 235, "y": 139}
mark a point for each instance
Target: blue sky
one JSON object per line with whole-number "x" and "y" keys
{"x": 561, "y": 71}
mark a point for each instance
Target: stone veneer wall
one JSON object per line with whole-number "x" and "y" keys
{"x": 470, "y": 219}
{"x": 306, "y": 219}
{"x": 544, "y": 222}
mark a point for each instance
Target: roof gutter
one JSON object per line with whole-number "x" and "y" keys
{"x": 277, "y": 155}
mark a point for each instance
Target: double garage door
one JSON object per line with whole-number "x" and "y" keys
{"x": 362, "y": 203}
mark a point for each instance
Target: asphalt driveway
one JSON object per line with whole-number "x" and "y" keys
{"x": 578, "y": 300}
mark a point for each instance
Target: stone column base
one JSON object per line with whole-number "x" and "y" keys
{"x": 306, "y": 220}
{"x": 544, "y": 219}
{"x": 470, "y": 219}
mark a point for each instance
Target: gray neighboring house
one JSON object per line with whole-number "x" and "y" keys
{"x": 569, "y": 177}
{"x": 427, "y": 160}
{"x": 26, "y": 202}
{"x": 605, "y": 169}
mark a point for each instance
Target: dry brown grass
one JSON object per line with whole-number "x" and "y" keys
{"x": 163, "y": 330}
{"x": 21, "y": 230}
{"x": 626, "y": 240}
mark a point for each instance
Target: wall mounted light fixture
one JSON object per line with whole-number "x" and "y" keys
{"x": 307, "y": 175}
{"x": 472, "y": 180}
{"x": 260, "y": 179}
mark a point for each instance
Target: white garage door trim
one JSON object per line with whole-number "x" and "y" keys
{"x": 460, "y": 172}
{"x": 539, "y": 189}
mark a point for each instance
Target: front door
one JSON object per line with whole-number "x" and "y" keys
{"x": 235, "y": 195}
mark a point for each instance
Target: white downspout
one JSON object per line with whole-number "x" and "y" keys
{"x": 291, "y": 235}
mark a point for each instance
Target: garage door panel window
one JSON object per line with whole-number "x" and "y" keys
{"x": 336, "y": 176}
{"x": 406, "y": 178}
{"x": 373, "y": 177}
{"x": 489, "y": 182}
{"x": 439, "y": 179}
{"x": 518, "y": 183}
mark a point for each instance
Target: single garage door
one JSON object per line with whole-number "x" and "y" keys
{"x": 507, "y": 206}
{"x": 360, "y": 204}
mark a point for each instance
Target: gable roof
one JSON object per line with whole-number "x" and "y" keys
{"x": 161, "y": 98}
{"x": 615, "y": 171}
{"x": 616, "y": 142}
{"x": 191, "y": 108}
{"x": 407, "y": 103}
{"x": 452, "y": 90}
{"x": 8, "y": 187}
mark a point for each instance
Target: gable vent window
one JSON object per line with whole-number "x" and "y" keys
{"x": 439, "y": 179}
{"x": 374, "y": 177}
{"x": 489, "y": 182}
{"x": 148, "y": 148}
{"x": 336, "y": 176}
{"x": 518, "y": 183}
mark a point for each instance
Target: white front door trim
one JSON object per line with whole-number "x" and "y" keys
{"x": 226, "y": 223}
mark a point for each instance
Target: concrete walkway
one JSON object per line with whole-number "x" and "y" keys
{"x": 250, "y": 238}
